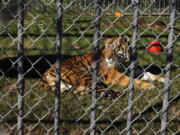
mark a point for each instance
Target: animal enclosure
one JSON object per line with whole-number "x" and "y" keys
{"x": 39, "y": 35}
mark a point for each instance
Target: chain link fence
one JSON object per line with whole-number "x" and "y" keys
{"x": 37, "y": 35}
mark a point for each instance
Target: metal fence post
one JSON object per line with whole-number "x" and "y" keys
{"x": 20, "y": 82}
{"x": 95, "y": 68}
{"x": 169, "y": 61}
{"x": 58, "y": 65}
{"x": 132, "y": 64}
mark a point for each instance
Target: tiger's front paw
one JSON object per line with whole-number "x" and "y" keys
{"x": 161, "y": 79}
{"x": 147, "y": 86}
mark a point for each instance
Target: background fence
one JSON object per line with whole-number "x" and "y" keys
{"x": 157, "y": 6}
{"x": 35, "y": 34}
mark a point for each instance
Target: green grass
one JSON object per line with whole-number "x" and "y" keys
{"x": 39, "y": 103}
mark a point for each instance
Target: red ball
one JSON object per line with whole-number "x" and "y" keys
{"x": 155, "y": 47}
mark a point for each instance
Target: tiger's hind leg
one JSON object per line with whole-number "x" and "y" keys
{"x": 102, "y": 90}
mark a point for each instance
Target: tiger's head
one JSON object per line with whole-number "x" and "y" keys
{"x": 116, "y": 50}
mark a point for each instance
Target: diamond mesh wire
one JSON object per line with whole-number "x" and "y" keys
{"x": 32, "y": 39}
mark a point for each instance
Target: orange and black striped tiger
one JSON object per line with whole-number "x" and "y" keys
{"x": 76, "y": 72}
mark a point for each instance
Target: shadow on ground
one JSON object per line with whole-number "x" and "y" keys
{"x": 34, "y": 66}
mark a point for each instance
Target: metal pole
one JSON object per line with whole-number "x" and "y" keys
{"x": 132, "y": 64}
{"x": 95, "y": 68}
{"x": 58, "y": 65}
{"x": 169, "y": 61}
{"x": 20, "y": 83}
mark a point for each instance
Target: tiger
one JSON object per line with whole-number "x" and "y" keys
{"x": 76, "y": 72}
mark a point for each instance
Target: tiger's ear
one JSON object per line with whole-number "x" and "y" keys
{"x": 108, "y": 42}
{"x": 125, "y": 39}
